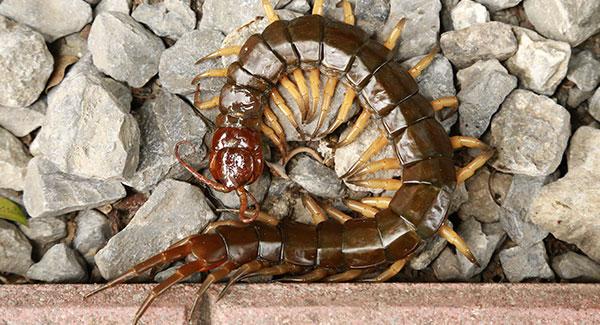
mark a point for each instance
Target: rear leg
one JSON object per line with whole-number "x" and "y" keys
{"x": 240, "y": 273}
{"x": 215, "y": 276}
{"x": 390, "y": 272}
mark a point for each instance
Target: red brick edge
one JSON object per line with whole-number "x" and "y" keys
{"x": 354, "y": 303}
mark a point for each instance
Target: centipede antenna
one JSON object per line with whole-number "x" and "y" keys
{"x": 380, "y": 202}
{"x": 392, "y": 39}
{"x": 269, "y": 11}
{"x": 453, "y": 238}
{"x": 303, "y": 88}
{"x": 348, "y": 15}
{"x": 387, "y": 184}
{"x": 441, "y": 103}
{"x": 356, "y": 129}
{"x": 208, "y": 74}
{"x": 343, "y": 111}
{"x": 198, "y": 176}
{"x": 365, "y": 210}
{"x": 376, "y": 166}
{"x": 423, "y": 63}
{"x": 328, "y": 93}
{"x": 226, "y": 51}
{"x": 371, "y": 151}
{"x": 318, "y": 8}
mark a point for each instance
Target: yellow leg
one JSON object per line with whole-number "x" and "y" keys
{"x": 336, "y": 214}
{"x": 273, "y": 122}
{"x": 317, "y": 213}
{"x": 378, "y": 165}
{"x": 302, "y": 86}
{"x": 200, "y": 105}
{"x": 269, "y": 11}
{"x": 469, "y": 170}
{"x": 357, "y": 128}
{"x": 269, "y": 133}
{"x": 327, "y": 96}
{"x": 314, "y": 78}
{"x": 380, "y": 202}
{"x": 365, "y": 210}
{"x": 210, "y": 73}
{"x": 371, "y": 151}
{"x": 344, "y": 110}
{"x": 293, "y": 90}
{"x": 230, "y": 50}
{"x": 390, "y": 272}
{"x": 453, "y": 238}
{"x": 348, "y": 15}
{"x": 392, "y": 40}
{"x": 318, "y": 8}
{"x": 459, "y": 142}
{"x": 424, "y": 63}
{"x": 344, "y": 277}
{"x": 441, "y": 103}
{"x": 389, "y": 184}
{"x": 287, "y": 111}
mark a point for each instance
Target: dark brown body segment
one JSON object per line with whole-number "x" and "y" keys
{"x": 368, "y": 59}
{"x": 259, "y": 60}
{"x": 340, "y": 44}
{"x": 306, "y": 33}
{"x": 276, "y": 35}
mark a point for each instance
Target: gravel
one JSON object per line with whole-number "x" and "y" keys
{"x": 46, "y": 230}
{"x": 467, "y": 13}
{"x": 480, "y": 204}
{"x": 594, "y": 108}
{"x": 226, "y": 16}
{"x": 315, "y": 177}
{"x": 21, "y": 121}
{"x": 123, "y": 6}
{"x": 168, "y": 18}
{"x": 531, "y": 133}
{"x": 15, "y": 249}
{"x": 25, "y": 63}
{"x": 60, "y": 264}
{"x": 93, "y": 232}
{"x": 258, "y": 189}
{"x": 496, "y": 5}
{"x": 520, "y": 263}
{"x": 432, "y": 249}
{"x": 571, "y": 265}
{"x": 13, "y": 161}
{"x": 584, "y": 72}
{"x": 53, "y": 18}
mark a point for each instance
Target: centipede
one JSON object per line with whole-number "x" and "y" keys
{"x": 336, "y": 247}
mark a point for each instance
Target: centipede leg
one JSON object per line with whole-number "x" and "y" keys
{"x": 314, "y": 79}
{"x": 293, "y": 90}
{"x": 200, "y": 105}
{"x": 459, "y": 142}
{"x": 208, "y": 74}
{"x": 387, "y": 184}
{"x": 315, "y": 210}
{"x": 348, "y": 15}
{"x": 394, "y": 269}
{"x": 286, "y": 110}
{"x": 276, "y": 270}
{"x": 269, "y": 11}
{"x": 357, "y": 128}
{"x": 392, "y": 39}
{"x": 226, "y": 51}
{"x": 423, "y": 63}
{"x": 380, "y": 202}
{"x": 453, "y": 238}
{"x": 365, "y": 210}
{"x": 343, "y": 111}
{"x": 213, "y": 277}
{"x": 269, "y": 133}
{"x": 378, "y": 165}
{"x": 336, "y": 214}
{"x": 239, "y": 273}
{"x": 371, "y": 151}
{"x": 312, "y": 276}
{"x": 344, "y": 276}
{"x": 318, "y": 8}
{"x": 303, "y": 88}
{"x": 327, "y": 96}
{"x": 469, "y": 170}
{"x": 441, "y": 103}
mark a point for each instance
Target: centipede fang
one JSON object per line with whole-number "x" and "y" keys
{"x": 336, "y": 247}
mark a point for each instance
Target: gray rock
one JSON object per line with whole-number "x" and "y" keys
{"x": 571, "y": 265}
{"x": 123, "y": 6}
{"x": 530, "y": 133}
{"x": 15, "y": 249}
{"x": 568, "y": 207}
{"x": 514, "y": 217}
{"x": 467, "y": 13}
{"x": 258, "y": 189}
{"x": 594, "y": 107}
{"x": 13, "y": 161}
{"x": 60, "y": 264}
{"x": 25, "y": 63}
{"x": 432, "y": 249}
{"x": 370, "y": 15}
{"x": 124, "y": 49}
{"x": 177, "y": 65}
{"x": 163, "y": 275}
{"x": 520, "y": 263}
{"x": 53, "y": 18}
{"x": 458, "y": 198}
{"x": 316, "y": 178}
{"x": 174, "y": 211}
{"x": 225, "y": 15}
{"x": 484, "y": 86}
{"x": 496, "y": 5}
{"x": 46, "y": 230}
{"x": 168, "y": 18}
{"x": 21, "y": 121}
{"x": 346, "y": 156}
{"x": 584, "y": 72}
{"x": 300, "y": 6}
{"x": 164, "y": 121}
{"x": 482, "y": 240}
{"x": 88, "y": 130}
{"x": 421, "y": 30}
{"x": 564, "y": 20}
{"x": 446, "y": 14}
{"x": 540, "y": 64}
{"x": 50, "y": 192}
{"x": 93, "y": 232}
{"x": 480, "y": 204}
{"x": 485, "y": 41}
